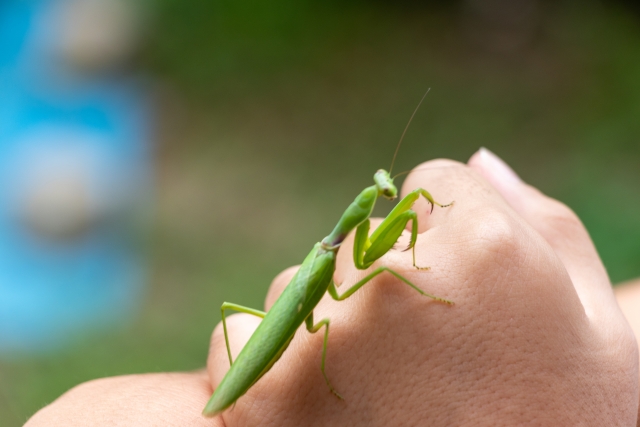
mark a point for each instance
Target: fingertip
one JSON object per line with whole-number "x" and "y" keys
{"x": 504, "y": 180}
{"x": 475, "y": 157}
{"x": 493, "y": 168}
{"x": 442, "y": 179}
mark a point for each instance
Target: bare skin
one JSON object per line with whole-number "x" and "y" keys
{"x": 628, "y": 296}
{"x": 535, "y": 336}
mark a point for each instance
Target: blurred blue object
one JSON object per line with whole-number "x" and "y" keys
{"x": 75, "y": 179}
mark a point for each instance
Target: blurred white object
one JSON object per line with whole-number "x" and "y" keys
{"x": 68, "y": 181}
{"x": 97, "y": 34}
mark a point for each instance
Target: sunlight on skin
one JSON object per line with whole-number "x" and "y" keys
{"x": 628, "y": 296}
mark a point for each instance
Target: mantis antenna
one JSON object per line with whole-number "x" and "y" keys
{"x": 289, "y": 312}
{"x": 405, "y": 130}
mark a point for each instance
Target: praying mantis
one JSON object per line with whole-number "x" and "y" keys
{"x": 315, "y": 277}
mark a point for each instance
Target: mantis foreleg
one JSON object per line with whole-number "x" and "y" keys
{"x": 367, "y": 249}
{"x": 242, "y": 309}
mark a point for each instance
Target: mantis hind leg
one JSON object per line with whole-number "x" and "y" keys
{"x": 313, "y": 329}
{"x": 333, "y": 291}
{"x": 241, "y": 309}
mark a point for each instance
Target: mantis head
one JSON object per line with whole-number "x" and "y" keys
{"x": 385, "y": 185}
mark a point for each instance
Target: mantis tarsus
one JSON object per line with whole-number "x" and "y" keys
{"x": 315, "y": 277}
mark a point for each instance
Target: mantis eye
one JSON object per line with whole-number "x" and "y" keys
{"x": 389, "y": 193}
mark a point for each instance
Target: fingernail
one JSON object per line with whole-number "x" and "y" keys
{"x": 497, "y": 167}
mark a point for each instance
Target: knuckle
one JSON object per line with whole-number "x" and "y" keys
{"x": 431, "y": 173}
{"x": 497, "y": 235}
{"x": 559, "y": 217}
{"x": 497, "y": 244}
{"x": 438, "y": 163}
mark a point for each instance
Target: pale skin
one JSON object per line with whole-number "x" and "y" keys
{"x": 628, "y": 296}
{"x": 535, "y": 337}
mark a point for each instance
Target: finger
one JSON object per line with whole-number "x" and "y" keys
{"x": 557, "y": 224}
{"x": 174, "y": 399}
{"x": 240, "y": 327}
{"x": 277, "y": 286}
{"x": 448, "y": 181}
{"x": 483, "y": 244}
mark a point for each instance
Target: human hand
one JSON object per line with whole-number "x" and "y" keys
{"x": 535, "y": 336}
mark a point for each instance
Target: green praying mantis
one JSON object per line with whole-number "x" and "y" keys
{"x": 315, "y": 277}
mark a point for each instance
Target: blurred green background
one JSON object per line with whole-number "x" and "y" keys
{"x": 272, "y": 116}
